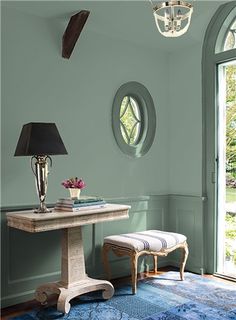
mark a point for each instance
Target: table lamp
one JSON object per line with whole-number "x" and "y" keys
{"x": 40, "y": 140}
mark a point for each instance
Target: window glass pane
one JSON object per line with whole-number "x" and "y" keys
{"x": 130, "y": 120}
{"x": 226, "y": 36}
{"x": 230, "y": 39}
{"x": 226, "y": 264}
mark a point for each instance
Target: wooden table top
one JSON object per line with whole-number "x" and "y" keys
{"x": 38, "y": 222}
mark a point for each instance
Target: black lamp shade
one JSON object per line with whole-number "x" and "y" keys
{"x": 38, "y": 138}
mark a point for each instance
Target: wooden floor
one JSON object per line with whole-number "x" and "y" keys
{"x": 22, "y": 308}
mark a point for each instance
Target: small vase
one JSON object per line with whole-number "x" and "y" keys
{"x": 74, "y": 193}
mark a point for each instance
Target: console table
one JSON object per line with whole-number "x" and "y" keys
{"x": 74, "y": 280}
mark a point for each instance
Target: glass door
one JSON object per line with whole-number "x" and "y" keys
{"x": 226, "y": 203}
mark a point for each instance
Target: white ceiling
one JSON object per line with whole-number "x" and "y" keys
{"x": 128, "y": 20}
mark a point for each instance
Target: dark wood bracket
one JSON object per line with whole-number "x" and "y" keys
{"x": 72, "y": 32}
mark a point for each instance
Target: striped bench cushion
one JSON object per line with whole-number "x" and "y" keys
{"x": 150, "y": 240}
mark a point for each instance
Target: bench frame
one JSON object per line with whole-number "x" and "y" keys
{"x": 134, "y": 255}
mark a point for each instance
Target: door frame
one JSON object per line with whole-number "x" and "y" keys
{"x": 211, "y": 57}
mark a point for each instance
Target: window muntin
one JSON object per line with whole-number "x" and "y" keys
{"x": 130, "y": 120}
{"x": 230, "y": 39}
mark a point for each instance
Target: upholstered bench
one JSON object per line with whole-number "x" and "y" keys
{"x": 150, "y": 242}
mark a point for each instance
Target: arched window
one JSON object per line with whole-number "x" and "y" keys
{"x": 218, "y": 66}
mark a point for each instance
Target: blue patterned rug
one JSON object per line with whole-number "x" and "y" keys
{"x": 162, "y": 297}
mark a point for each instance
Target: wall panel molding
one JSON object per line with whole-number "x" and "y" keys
{"x": 186, "y": 216}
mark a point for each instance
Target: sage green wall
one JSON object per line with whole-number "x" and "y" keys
{"x": 38, "y": 85}
{"x": 77, "y": 94}
{"x": 185, "y": 174}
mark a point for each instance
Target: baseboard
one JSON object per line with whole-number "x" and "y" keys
{"x": 15, "y": 299}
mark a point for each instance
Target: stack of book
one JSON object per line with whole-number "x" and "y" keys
{"x": 83, "y": 203}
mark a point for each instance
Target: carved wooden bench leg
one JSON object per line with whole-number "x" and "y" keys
{"x": 155, "y": 263}
{"x": 106, "y": 249}
{"x": 134, "y": 272}
{"x": 184, "y": 257}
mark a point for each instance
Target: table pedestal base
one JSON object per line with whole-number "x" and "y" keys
{"x": 66, "y": 294}
{"x": 74, "y": 280}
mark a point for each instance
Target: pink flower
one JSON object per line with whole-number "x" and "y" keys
{"x": 74, "y": 183}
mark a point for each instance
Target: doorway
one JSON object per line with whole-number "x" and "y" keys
{"x": 226, "y": 177}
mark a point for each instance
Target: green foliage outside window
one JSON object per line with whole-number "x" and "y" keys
{"x": 230, "y": 219}
{"x": 230, "y": 236}
{"x": 231, "y": 124}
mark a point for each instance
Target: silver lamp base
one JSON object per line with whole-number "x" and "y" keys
{"x": 42, "y": 209}
{"x": 40, "y": 171}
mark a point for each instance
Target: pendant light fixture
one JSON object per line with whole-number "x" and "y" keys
{"x": 172, "y": 17}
